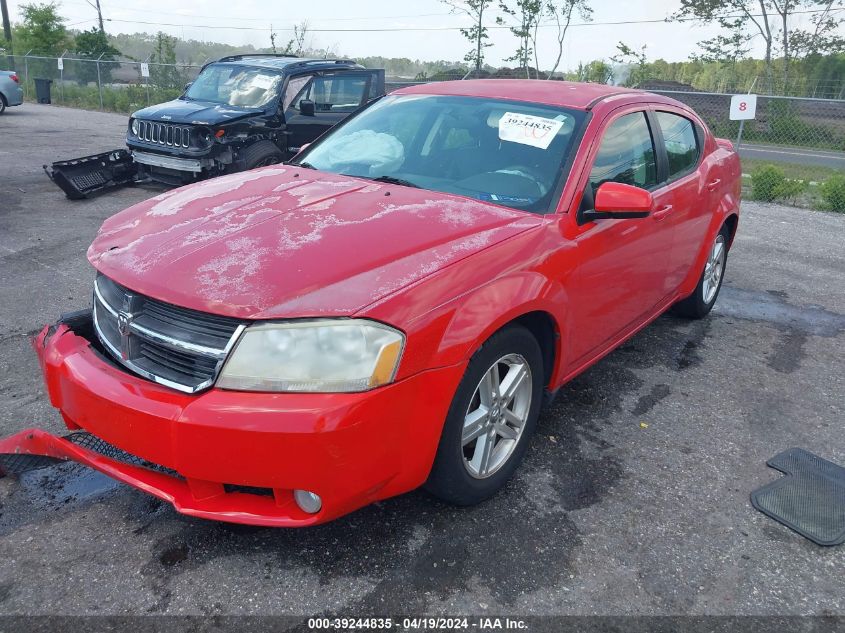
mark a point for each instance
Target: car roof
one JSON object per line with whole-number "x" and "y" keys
{"x": 568, "y": 94}
{"x": 287, "y": 63}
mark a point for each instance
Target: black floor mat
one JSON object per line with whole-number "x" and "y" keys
{"x": 809, "y": 500}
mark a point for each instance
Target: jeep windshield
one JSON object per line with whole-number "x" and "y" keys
{"x": 233, "y": 85}
{"x": 507, "y": 152}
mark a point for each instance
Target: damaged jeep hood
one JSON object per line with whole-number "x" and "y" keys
{"x": 284, "y": 241}
{"x": 195, "y": 112}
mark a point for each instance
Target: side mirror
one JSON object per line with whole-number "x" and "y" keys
{"x": 618, "y": 201}
{"x": 307, "y": 107}
{"x": 188, "y": 85}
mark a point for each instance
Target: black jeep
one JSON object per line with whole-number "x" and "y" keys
{"x": 241, "y": 112}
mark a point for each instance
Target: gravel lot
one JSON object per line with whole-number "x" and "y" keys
{"x": 633, "y": 498}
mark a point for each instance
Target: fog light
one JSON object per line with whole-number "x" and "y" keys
{"x": 307, "y": 501}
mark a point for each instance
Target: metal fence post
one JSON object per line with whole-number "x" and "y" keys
{"x": 147, "y": 79}
{"x": 26, "y": 74}
{"x": 99, "y": 81}
{"x": 739, "y": 136}
{"x": 62, "y": 79}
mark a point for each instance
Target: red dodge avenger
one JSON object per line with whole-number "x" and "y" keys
{"x": 391, "y": 309}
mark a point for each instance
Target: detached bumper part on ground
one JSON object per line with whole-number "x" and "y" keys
{"x": 238, "y": 457}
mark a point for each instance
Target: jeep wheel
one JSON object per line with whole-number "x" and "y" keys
{"x": 261, "y": 154}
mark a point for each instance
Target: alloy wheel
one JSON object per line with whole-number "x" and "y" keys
{"x": 496, "y": 415}
{"x": 713, "y": 269}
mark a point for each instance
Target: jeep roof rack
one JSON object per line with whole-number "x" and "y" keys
{"x": 238, "y": 56}
{"x": 314, "y": 62}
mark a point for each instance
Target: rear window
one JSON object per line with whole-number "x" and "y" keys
{"x": 681, "y": 143}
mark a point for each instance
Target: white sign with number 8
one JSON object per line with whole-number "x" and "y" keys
{"x": 743, "y": 107}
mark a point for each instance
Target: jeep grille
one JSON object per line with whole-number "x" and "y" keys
{"x": 165, "y": 134}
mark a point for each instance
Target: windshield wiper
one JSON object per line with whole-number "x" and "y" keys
{"x": 304, "y": 165}
{"x": 396, "y": 181}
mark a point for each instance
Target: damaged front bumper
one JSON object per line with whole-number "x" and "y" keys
{"x": 234, "y": 456}
{"x": 81, "y": 177}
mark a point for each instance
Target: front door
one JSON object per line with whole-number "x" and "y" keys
{"x": 623, "y": 265}
{"x": 335, "y": 96}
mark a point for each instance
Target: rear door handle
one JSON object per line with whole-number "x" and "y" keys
{"x": 662, "y": 212}
{"x": 711, "y": 186}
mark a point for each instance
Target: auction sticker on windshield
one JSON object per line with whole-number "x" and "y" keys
{"x": 531, "y": 130}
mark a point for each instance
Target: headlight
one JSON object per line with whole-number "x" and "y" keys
{"x": 134, "y": 125}
{"x": 206, "y": 135}
{"x": 316, "y": 356}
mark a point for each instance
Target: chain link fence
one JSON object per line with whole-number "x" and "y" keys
{"x": 807, "y": 122}
{"x": 115, "y": 85}
{"x": 120, "y": 85}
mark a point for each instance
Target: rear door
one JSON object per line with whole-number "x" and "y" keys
{"x": 336, "y": 95}
{"x": 623, "y": 265}
{"x": 683, "y": 141}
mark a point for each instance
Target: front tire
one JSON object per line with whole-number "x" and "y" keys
{"x": 492, "y": 416}
{"x": 702, "y": 300}
{"x": 261, "y": 154}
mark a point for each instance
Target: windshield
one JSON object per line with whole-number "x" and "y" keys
{"x": 507, "y": 152}
{"x": 233, "y": 85}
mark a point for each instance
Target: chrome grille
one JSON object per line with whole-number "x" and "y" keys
{"x": 165, "y": 134}
{"x": 173, "y": 346}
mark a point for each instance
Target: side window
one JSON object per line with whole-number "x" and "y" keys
{"x": 335, "y": 93}
{"x": 681, "y": 145}
{"x": 295, "y": 85}
{"x": 626, "y": 154}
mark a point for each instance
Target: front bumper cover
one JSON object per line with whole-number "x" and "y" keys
{"x": 236, "y": 456}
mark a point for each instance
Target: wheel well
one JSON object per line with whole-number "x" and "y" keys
{"x": 3, "y": 98}
{"x": 542, "y": 326}
{"x": 731, "y": 222}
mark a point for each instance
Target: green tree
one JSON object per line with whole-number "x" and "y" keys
{"x": 524, "y": 19}
{"x": 94, "y": 44}
{"x": 477, "y": 34}
{"x": 636, "y": 60}
{"x": 597, "y": 71}
{"x": 742, "y": 19}
{"x": 562, "y": 12}
{"x": 163, "y": 71}
{"x": 824, "y": 37}
{"x": 42, "y": 30}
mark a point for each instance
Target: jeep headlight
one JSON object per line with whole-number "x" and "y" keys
{"x": 133, "y": 124}
{"x": 326, "y": 356}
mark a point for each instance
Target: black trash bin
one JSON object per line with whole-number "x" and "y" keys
{"x": 42, "y": 90}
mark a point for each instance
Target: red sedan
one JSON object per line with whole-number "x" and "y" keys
{"x": 390, "y": 310}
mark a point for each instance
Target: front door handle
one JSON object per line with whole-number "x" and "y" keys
{"x": 662, "y": 212}
{"x": 711, "y": 186}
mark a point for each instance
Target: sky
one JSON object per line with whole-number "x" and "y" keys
{"x": 332, "y": 25}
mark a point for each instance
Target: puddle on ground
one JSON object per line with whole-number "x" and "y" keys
{"x": 65, "y": 484}
{"x": 772, "y": 308}
{"x": 796, "y": 323}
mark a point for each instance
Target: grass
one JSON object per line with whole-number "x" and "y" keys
{"x": 810, "y": 198}
{"x": 793, "y": 171}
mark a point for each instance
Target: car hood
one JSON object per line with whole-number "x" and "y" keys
{"x": 195, "y": 112}
{"x": 284, "y": 242}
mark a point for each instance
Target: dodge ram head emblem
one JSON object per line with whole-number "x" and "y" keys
{"x": 124, "y": 327}
{"x": 124, "y": 321}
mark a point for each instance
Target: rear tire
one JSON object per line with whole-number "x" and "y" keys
{"x": 491, "y": 419}
{"x": 261, "y": 154}
{"x": 702, "y": 300}
{"x": 2, "y": 104}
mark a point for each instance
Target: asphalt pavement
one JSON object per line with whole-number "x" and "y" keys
{"x": 793, "y": 155}
{"x": 634, "y": 498}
